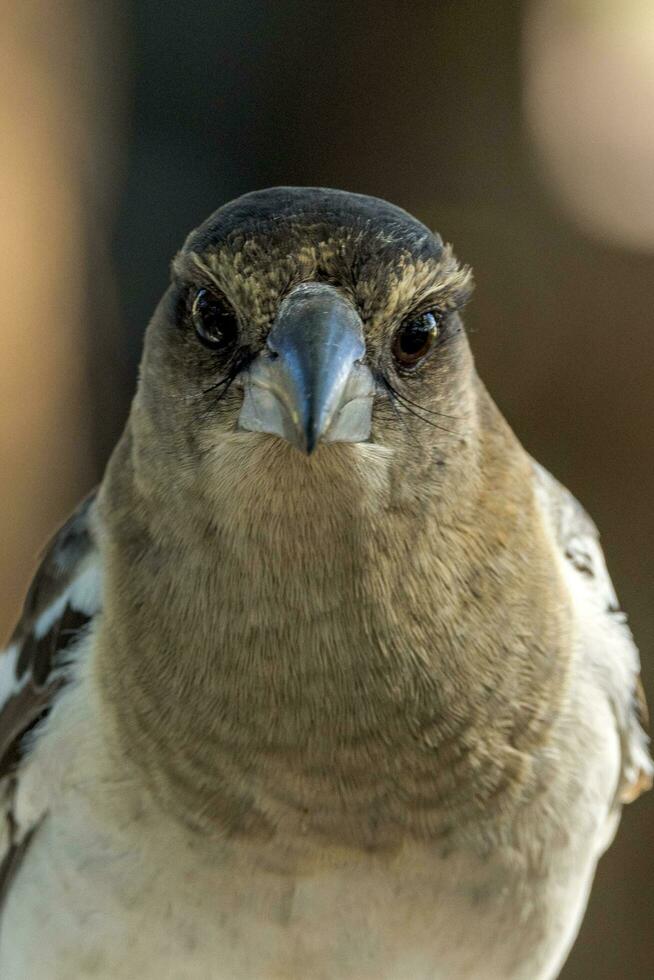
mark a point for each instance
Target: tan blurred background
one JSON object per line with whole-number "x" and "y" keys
{"x": 524, "y": 132}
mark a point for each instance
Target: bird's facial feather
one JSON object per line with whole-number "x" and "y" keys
{"x": 244, "y": 262}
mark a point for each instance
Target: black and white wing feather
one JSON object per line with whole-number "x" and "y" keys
{"x": 618, "y": 661}
{"x": 61, "y": 602}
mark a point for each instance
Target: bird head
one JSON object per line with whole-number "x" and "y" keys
{"x": 308, "y": 319}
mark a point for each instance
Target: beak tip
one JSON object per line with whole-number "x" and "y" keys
{"x": 311, "y": 440}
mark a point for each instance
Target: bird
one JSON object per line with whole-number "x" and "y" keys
{"x": 327, "y": 679}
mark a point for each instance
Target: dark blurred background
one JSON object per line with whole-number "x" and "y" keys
{"x": 523, "y": 132}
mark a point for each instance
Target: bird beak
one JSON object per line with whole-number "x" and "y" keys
{"x": 308, "y": 385}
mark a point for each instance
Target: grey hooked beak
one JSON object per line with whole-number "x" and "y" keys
{"x": 308, "y": 385}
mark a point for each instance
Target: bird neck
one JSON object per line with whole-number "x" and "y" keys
{"x": 308, "y": 659}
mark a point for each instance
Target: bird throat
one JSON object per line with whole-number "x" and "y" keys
{"x": 326, "y": 673}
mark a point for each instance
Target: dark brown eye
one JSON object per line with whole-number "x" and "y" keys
{"x": 215, "y": 324}
{"x": 416, "y": 337}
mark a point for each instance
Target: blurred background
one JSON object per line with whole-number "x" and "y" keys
{"x": 522, "y": 131}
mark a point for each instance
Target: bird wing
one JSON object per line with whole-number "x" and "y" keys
{"x": 579, "y": 544}
{"x": 62, "y": 600}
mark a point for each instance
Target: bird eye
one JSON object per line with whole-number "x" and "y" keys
{"x": 215, "y": 324}
{"x": 416, "y": 337}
